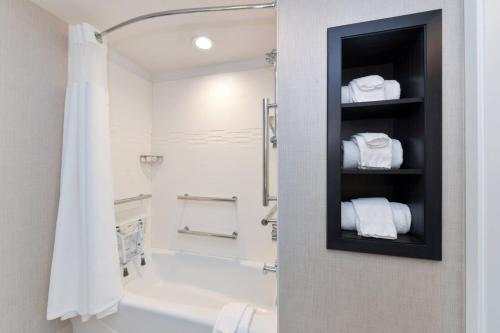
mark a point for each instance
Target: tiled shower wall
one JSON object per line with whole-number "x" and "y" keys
{"x": 209, "y": 129}
{"x": 131, "y": 100}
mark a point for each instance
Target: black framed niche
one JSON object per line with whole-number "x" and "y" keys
{"x": 406, "y": 49}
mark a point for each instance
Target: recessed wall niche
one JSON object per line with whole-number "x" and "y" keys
{"x": 406, "y": 49}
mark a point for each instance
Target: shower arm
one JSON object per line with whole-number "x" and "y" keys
{"x": 99, "y": 36}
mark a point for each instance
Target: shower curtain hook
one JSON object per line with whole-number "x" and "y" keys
{"x": 98, "y": 37}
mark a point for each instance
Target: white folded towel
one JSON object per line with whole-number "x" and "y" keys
{"x": 375, "y": 150}
{"x": 374, "y": 218}
{"x": 234, "y": 318}
{"x": 351, "y": 154}
{"x": 367, "y": 88}
{"x": 392, "y": 89}
{"x": 401, "y": 215}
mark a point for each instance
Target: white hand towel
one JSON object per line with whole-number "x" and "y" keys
{"x": 368, "y": 88}
{"x": 350, "y": 152}
{"x": 234, "y": 318}
{"x": 375, "y": 150}
{"x": 392, "y": 89}
{"x": 401, "y": 215}
{"x": 374, "y": 218}
{"x": 346, "y": 95}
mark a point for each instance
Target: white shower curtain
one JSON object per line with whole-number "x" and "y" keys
{"x": 85, "y": 278}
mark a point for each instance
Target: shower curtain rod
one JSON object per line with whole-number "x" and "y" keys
{"x": 183, "y": 11}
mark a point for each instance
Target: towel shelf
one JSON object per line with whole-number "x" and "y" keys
{"x": 406, "y": 49}
{"x": 382, "y": 172}
{"x": 381, "y": 109}
{"x": 200, "y": 198}
{"x": 188, "y": 231}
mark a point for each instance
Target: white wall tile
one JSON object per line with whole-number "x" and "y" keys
{"x": 209, "y": 130}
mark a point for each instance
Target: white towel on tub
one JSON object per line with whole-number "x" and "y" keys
{"x": 374, "y": 218}
{"x": 234, "y": 318}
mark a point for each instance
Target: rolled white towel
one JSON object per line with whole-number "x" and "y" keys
{"x": 367, "y": 88}
{"x": 351, "y": 154}
{"x": 401, "y": 216}
{"x": 369, "y": 83}
{"x": 392, "y": 89}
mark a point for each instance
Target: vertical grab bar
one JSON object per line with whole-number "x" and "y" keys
{"x": 265, "y": 151}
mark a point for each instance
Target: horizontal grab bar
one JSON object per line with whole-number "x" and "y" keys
{"x": 186, "y": 230}
{"x": 132, "y": 199}
{"x": 198, "y": 198}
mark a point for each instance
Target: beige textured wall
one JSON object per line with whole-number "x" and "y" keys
{"x": 323, "y": 290}
{"x": 33, "y": 51}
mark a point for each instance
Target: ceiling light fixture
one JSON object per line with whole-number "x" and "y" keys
{"x": 203, "y": 43}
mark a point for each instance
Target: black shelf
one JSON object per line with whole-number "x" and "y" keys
{"x": 382, "y": 172}
{"x": 406, "y": 49}
{"x": 380, "y": 109}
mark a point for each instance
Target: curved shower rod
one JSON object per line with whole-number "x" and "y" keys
{"x": 183, "y": 11}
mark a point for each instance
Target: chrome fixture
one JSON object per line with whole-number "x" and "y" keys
{"x": 268, "y": 218}
{"x": 274, "y": 232}
{"x": 183, "y": 11}
{"x": 270, "y": 268}
{"x": 150, "y": 159}
{"x": 132, "y": 199}
{"x": 266, "y": 106}
{"x": 198, "y": 198}
{"x": 130, "y": 243}
{"x": 272, "y": 58}
{"x": 274, "y": 222}
{"x": 188, "y": 231}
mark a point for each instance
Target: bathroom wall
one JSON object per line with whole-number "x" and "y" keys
{"x": 131, "y": 109}
{"x": 33, "y": 52}
{"x": 326, "y": 291}
{"x": 209, "y": 129}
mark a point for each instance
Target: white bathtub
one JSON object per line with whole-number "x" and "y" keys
{"x": 183, "y": 293}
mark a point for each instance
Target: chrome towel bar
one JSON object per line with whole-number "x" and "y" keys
{"x": 132, "y": 199}
{"x": 188, "y": 231}
{"x": 198, "y": 198}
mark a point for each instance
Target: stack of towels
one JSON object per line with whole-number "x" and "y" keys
{"x": 234, "y": 318}
{"x": 376, "y": 217}
{"x": 371, "y": 88}
{"x": 372, "y": 151}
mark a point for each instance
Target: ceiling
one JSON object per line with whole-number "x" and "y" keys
{"x": 164, "y": 45}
